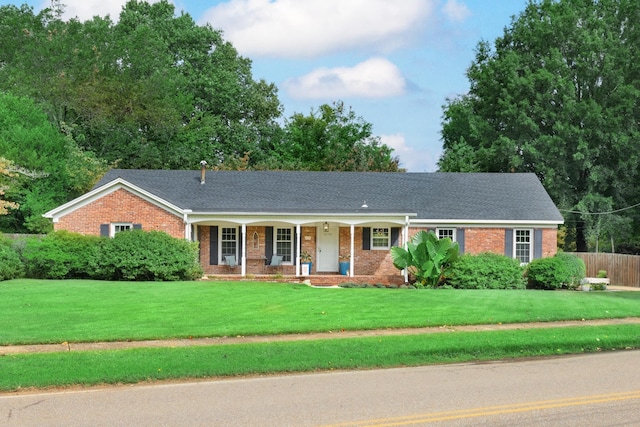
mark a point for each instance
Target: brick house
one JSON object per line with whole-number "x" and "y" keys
{"x": 355, "y": 216}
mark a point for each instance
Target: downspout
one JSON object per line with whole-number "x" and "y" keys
{"x": 351, "y": 257}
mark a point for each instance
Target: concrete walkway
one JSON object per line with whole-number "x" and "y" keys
{"x": 173, "y": 343}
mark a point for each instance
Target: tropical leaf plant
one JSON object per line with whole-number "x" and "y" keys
{"x": 426, "y": 258}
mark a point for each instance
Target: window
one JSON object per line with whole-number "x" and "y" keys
{"x": 284, "y": 244}
{"x": 118, "y": 227}
{"x": 380, "y": 238}
{"x": 443, "y": 233}
{"x": 228, "y": 241}
{"x": 523, "y": 245}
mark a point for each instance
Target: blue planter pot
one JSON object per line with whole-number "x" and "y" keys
{"x": 308, "y": 263}
{"x": 344, "y": 268}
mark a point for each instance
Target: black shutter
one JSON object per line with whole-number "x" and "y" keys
{"x": 137, "y": 226}
{"x": 537, "y": 243}
{"x": 366, "y": 238}
{"x": 460, "y": 239}
{"x": 104, "y": 230}
{"x": 213, "y": 245}
{"x": 508, "y": 242}
{"x": 239, "y": 246}
{"x": 395, "y": 236}
{"x": 295, "y": 246}
{"x": 268, "y": 244}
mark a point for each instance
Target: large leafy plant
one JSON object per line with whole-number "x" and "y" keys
{"x": 426, "y": 257}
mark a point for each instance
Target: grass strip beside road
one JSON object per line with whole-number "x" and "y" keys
{"x": 50, "y": 311}
{"x": 156, "y": 364}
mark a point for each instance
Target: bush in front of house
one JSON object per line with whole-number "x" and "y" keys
{"x": 562, "y": 271}
{"x": 486, "y": 271}
{"x": 11, "y": 266}
{"x": 60, "y": 255}
{"x": 140, "y": 255}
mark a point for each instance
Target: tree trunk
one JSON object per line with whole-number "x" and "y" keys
{"x": 581, "y": 241}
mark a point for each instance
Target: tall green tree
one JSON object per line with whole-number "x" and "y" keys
{"x": 332, "y": 138}
{"x": 45, "y": 167}
{"x": 558, "y": 95}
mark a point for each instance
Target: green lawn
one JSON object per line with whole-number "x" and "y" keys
{"x": 41, "y": 311}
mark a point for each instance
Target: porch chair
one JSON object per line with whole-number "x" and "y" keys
{"x": 276, "y": 263}
{"x": 230, "y": 260}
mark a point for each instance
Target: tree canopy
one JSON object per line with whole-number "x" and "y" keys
{"x": 153, "y": 90}
{"x": 558, "y": 95}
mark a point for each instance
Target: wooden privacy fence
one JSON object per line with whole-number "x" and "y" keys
{"x": 622, "y": 270}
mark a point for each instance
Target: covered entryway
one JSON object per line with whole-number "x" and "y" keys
{"x": 327, "y": 250}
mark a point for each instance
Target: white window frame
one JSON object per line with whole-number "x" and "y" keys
{"x": 221, "y": 241}
{"x": 451, "y": 230}
{"x": 528, "y": 245}
{"x": 387, "y": 246}
{"x": 290, "y": 241}
{"x": 117, "y": 227}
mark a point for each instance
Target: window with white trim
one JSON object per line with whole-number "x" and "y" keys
{"x": 523, "y": 245}
{"x": 284, "y": 244}
{"x": 228, "y": 242}
{"x": 120, "y": 226}
{"x": 444, "y": 233}
{"x": 380, "y": 238}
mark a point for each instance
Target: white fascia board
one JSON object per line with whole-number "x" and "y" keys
{"x": 297, "y": 218}
{"x": 109, "y": 188}
{"x": 478, "y": 222}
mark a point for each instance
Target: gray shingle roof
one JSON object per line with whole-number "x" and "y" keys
{"x": 463, "y": 196}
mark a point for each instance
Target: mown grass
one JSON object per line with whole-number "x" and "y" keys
{"x": 41, "y": 311}
{"x": 153, "y": 364}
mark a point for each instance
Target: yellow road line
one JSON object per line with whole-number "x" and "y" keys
{"x": 491, "y": 410}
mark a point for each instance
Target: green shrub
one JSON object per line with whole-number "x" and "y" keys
{"x": 140, "y": 255}
{"x": 11, "y": 266}
{"x": 486, "y": 271}
{"x": 563, "y": 271}
{"x": 60, "y": 255}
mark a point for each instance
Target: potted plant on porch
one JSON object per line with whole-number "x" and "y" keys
{"x": 344, "y": 263}
{"x": 305, "y": 259}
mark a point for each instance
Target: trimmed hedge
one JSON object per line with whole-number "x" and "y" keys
{"x": 11, "y": 266}
{"x": 563, "y": 271}
{"x": 131, "y": 255}
{"x": 486, "y": 271}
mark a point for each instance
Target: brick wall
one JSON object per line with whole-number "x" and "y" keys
{"x": 120, "y": 206}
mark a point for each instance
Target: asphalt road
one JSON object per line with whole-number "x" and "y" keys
{"x": 589, "y": 390}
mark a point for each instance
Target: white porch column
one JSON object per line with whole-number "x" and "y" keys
{"x": 244, "y": 250}
{"x": 405, "y": 240}
{"x": 298, "y": 247}
{"x": 352, "y": 260}
{"x": 187, "y": 232}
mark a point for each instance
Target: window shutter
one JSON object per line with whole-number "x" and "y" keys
{"x": 460, "y": 239}
{"x": 395, "y": 236}
{"x": 537, "y": 243}
{"x": 137, "y": 226}
{"x": 104, "y": 230}
{"x": 294, "y": 249}
{"x": 366, "y": 238}
{"x": 239, "y": 246}
{"x": 508, "y": 242}
{"x": 268, "y": 244}
{"x": 213, "y": 245}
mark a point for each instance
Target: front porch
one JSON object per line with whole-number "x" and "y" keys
{"x": 314, "y": 279}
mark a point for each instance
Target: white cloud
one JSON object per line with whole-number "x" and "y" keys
{"x": 295, "y": 28}
{"x": 456, "y": 12}
{"x": 411, "y": 159}
{"x": 374, "y": 78}
{"x": 86, "y": 9}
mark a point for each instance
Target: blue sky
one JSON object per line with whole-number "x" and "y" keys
{"x": 395, "y": 62}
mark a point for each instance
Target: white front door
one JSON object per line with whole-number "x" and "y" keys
{"x": 327, "y": 249}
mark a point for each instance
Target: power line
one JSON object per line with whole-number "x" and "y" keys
{"x": 600, "y": 213}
